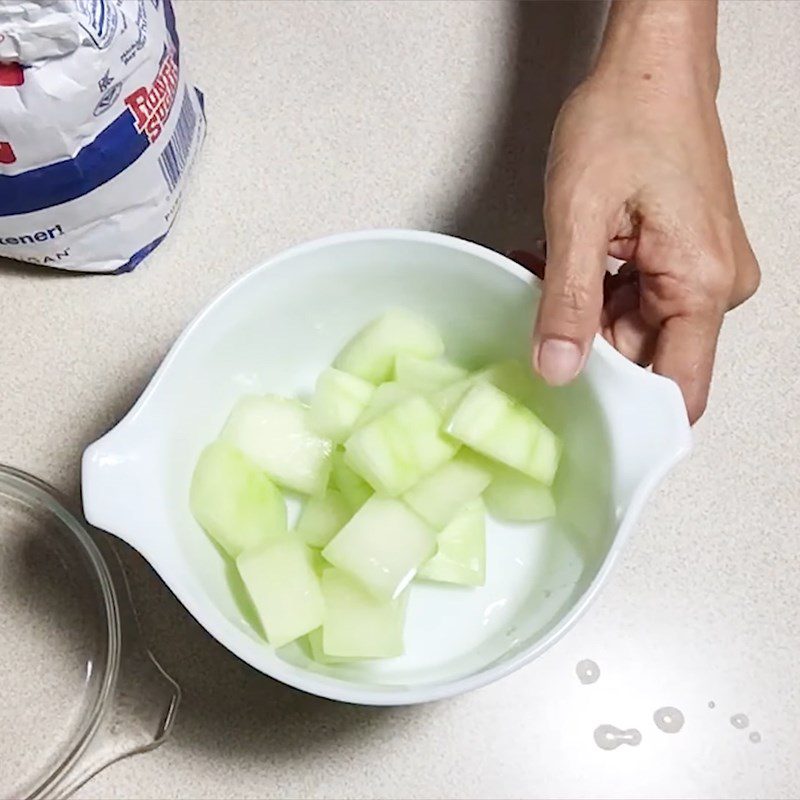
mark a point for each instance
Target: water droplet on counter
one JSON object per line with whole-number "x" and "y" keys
{"x": 712, "y": 704}
{"x": 607, "y": 737}
{"x": 587, "y": 671}
{"x": 740, "y": 721}
{"x": 755, "y": 737}
{"x": 669, "y": 719}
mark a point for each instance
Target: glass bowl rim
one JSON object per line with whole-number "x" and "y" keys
{"x": 38, "y": 494}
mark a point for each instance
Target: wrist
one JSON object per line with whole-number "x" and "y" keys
{"x": 661, "y": 43}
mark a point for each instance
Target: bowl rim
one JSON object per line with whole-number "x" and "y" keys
{"x": 395, "y": 695}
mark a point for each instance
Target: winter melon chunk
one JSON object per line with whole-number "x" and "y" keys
{"x": 280, "y": 579}
{"x": 382, "y": 546}
{"x": 357, "y": 624}
{"x": 461, "y": 549}
{"x": 516, "y": 497}
{"x": 446, "y": 399}
{"x": 439, "y": 496}
{"x": 499, "y": 427}
{"x": 338, "y": 401}
{"x": 514, "y": 379}
{"x": 234, "y": 501}
{"x": 353, "y": 488}
{"x": 322, "y": 518}
{"x": 426, "y": 375}
{"x": 276, "y": 434}
{"x": 314, "y": 640}
{"x": 386, "y": 396}
{"x": 371, "y": 353}
{"x": 395, "y": 450}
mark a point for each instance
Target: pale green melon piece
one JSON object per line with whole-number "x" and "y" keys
{"x": 318, "y": 654}
{"x": 371, "y": 353}
{"x": 511, "y": 377}
{"x": 386, "y": 396}
{"x": 395, "y": 450}
{"x": 491, "y": 422}
{"x": 284, "y": 588}
{"x": 425, "y": 375}
{"x": 439, "y": 496}
{"x": 338, "y": 401}
{"x": 276, "y": 433}
{"x": 318, "y": 563}
{"x": 514, "y": 379}
{"x": 357, "y": 624}
{"x": 322, "y": 518}
{"x": 546, "y": 457}
{"x": 382, "y": 546}
{"x": 461, "y": 549}
{"x": 445, "y": 400}
{"x": 234, "y": 501}
{"x": 516, "y": 497}
{"x": 355, "y": 490}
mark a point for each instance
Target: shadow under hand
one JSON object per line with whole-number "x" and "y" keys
{"x": 553, "y": 43}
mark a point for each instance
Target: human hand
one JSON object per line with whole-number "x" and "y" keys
{"x": 638, "y": 170}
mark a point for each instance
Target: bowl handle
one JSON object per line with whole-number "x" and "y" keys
{"x": 115, "y": 482}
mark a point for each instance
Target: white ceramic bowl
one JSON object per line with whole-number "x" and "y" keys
{"x": 274, "y": 330}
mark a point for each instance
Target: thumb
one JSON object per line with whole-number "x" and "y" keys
{"x": 572, "y": 292}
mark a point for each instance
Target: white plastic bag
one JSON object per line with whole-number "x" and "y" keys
{"x": 98, "y": 131}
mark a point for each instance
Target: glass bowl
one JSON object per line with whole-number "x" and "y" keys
{"x": 80, "y": 690}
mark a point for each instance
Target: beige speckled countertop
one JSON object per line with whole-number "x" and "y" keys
{"x": 333, "y": 116}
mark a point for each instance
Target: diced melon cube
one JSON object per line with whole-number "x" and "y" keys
{"x": 318, "y": 563}
{"x": 514, "y": 379}
{"x": 461, "y": 554}
{"x": 386, "y": 396}
{"x": 439, "y": 496}
{"x": 277, "y": 435}
{"x": 394, "y": 451}
{"x": 518, "y": 498}
{"x": 425, "y": 375}
{"x": 234, "y": 501}
{"x": 357, "y": 624}
{"x": 284, "y": 588}
{"x": 494, "y": 424}
{"x": 546, "y": 457}
{"x": 318, "y": 654}
{"x": 382, "y": 546}
{"x": 355, "y": 490}
{"x": 510, "y": 377}
{"x": 371, "y": 353}
{"x": 338, "y": 402}
{"x": 446, "y": 399}
{"x": 322, "y": 518}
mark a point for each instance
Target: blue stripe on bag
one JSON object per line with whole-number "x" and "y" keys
{"x": 139, "y": 256}
{"x": 112, "y": 151}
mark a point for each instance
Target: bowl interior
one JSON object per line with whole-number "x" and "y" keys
{"x": 276, "y": 330}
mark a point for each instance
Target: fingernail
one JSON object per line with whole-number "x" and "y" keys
{"x": 558, "y": 361}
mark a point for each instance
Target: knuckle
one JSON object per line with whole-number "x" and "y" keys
{"x": 710, "y": 287}
{"x": 749, "y": 279}
{"x": 716, "y": 281}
